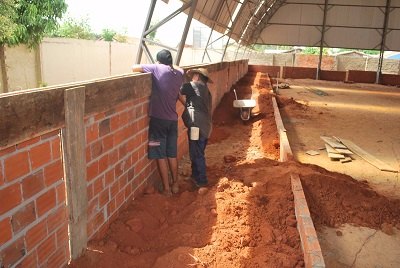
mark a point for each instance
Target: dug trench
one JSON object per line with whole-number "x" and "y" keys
{"x": 246, "y": 216}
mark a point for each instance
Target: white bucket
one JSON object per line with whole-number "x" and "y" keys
{"x": 194, "y": 133}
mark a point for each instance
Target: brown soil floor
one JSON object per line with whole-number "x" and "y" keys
{"x": 245, "y": 217}
{"x": 368, "y": 115}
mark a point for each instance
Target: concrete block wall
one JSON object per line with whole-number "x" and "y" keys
{"x": 33, "y": 214}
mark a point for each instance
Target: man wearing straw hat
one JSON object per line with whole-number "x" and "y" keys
{"x": 197, "y": 117}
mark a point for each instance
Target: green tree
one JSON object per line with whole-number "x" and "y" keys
{"x": 72, "y": 28}
{"x": 108, "y": 34}
{"x": 25, "y": 22}
{"x": 315, "y": 51}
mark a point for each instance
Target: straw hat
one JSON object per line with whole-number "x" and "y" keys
{"x": 202, "y": 71}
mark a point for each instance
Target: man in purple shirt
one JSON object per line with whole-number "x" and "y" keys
{"x": 163, "y": 126}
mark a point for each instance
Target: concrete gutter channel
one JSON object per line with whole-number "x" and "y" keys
{"x": 308, "y": 236}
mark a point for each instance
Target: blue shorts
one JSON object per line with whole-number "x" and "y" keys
{"x": 163, "y": 138}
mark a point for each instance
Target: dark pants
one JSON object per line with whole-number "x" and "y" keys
{"x": 196, "y": 152}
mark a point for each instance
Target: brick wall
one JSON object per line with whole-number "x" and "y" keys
{"x": 362, "y": 76}
{"x": 116, "y": 156}
{"x": 299, "y": 72}
{"x": 33, "y": 220}
{"x": 34, "y": 217}
{"x": 332, "y": 75}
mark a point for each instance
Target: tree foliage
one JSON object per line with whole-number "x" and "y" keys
{"x": 72, "y": 28}
{"x": 26, "y": 21}
{"x": 108, "y": 34}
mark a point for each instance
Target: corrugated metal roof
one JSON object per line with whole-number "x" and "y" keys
{"x": 334, "y": 23}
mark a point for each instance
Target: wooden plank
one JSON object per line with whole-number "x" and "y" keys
{"x": 332, "y": 153}
{"x": 73, "y": 138}
{"x": 346, "y": 160}
{"x": 332, "y": 142}
{"x": 30, "y": 114}
{"x": 278, "y": 118}
{"x": 312, "y": 152}
{"x": 103, "y": 95}
{"x": 343, "y": 151}
{"x": 368, "y": 157}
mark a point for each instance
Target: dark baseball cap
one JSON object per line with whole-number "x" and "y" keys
{"x": 164, "y": 57}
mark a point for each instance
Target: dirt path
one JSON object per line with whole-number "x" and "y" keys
{"x": 245, "y": 218}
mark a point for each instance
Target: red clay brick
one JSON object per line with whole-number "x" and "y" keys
{"x": 123, "y": 118}
{"x": 96, "y": 149}
{"x": 92, "y": 171}
{"x": 16, "y": 166}
{"x": 113, "y": 157}
{"x": 104, "y": 127}
{"x": 56, "y": 149}
{"x": 58, "y": 259}
{"x": 27, "y": 143}
{"x": 10, "y": 197}
{"x": 8, "y": 150}
{"x": 23, "y": 217}
{"x": 89, "y": 192}
{"x": 119, "y": 200}
{"x": 61, "y": 194}
{"x": 29, "y": 261}
{"x": 108, "y": 178}
{"x": 98, "y": 185}
{"x": 53, "y": 173}
{"x": 108, "y": 143}
{"x": 32, "y": 184}
{"x": 119, "y": 169}
{"x": 115, "y": 123}
{"x": 56, "y": 219}
{"x": 62, "y": 237}
{"x": 46, "y": 248}
{"x": 103, "y": 164}
{"x": 122, "y": 151}
{"x": 40, "y": 155}
{"x": 35, "y": 235}
{"x": 1, "y": 173}
{"x": 92, "y": 133}
{"x": 119, "y": 137}
{"x": 13, "y": 253}
{"x": 111, "y": 207}
{"x": 46, "y": 202}
{"x": 5, "y": 230}
{"x": 104, "y": 198}
{"x": 88, "y": 154}
{"x": 114, "y": 190}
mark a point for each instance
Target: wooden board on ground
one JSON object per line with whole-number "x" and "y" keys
{"x": 368, "y": 157}
{"x": 333, "y": 142}
{"x": 345, "y": 160}
{"x": 343, "y": 151}
{"x": 332, "y": 153}
{"x": 312, "y": 152}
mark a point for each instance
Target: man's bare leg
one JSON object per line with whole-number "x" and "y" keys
{"x": 163, "y": 169}
{"x": 173, "y": 165}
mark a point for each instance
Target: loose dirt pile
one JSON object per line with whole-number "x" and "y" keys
{"x": 245, "y": 218}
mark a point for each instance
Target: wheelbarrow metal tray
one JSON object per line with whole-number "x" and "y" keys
{"x": 244, "y": 103}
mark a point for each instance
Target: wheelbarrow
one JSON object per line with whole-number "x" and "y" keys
{"x": 245, "y": 106}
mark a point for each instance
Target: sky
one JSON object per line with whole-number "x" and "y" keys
{"x": 129, "y": 16}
